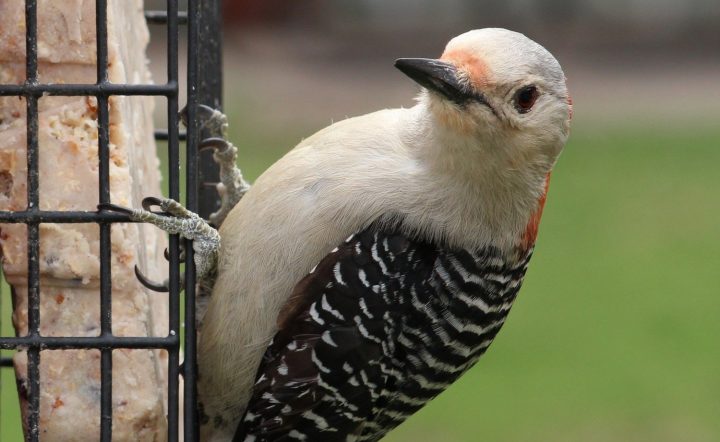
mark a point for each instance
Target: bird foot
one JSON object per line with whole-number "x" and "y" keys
{"x": 232, "y": 187}
{"x": 213, "y": 121}
{"x": 176, "y": 219}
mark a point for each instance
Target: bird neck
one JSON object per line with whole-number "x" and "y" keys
{"x": 500, "y": 187}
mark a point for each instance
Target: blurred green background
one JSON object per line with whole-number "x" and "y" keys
{"x": 614, "y": 335}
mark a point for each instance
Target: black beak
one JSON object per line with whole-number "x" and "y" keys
{"x": 436, "y": 75}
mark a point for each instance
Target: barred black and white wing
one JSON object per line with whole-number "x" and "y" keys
{"x": 380, "y": 327}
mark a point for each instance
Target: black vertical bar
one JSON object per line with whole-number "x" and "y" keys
{"x": 33, "y": 229}
{"x": 174, "y": 187}
{"x": 204, "y": 87}
{"x": 195, "y": 9}
{"x": 209, "y": 84}
{"x": 105, "y": 246}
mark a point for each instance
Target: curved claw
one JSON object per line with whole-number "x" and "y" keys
{"x": 151, "y": 201}
{"x": 181, "y": 255}
{"x": 213, "y": 143}
{"x": 114, "y": 208}
{"x": 183, "y": 114}
{"x": 154, "y": 286}
{"x": 204, "y": 113}
{"x": 157, "y": 287}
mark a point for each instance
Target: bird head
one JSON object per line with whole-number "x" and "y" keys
{"x": 498, "y": 88}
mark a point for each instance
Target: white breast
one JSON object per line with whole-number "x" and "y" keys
{"x": 329, "y": 187}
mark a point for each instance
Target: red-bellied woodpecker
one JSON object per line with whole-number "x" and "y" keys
{"x": 372, "y": 265}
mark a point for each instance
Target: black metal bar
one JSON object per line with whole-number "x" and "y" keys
{"x": 204, "y": 86}
{"x": 161, "y": 17}
{"x": 174, "y": 190}
{"x": 33, "y": 176}
{"x": 101, "y": 34}
{"x": 162, "y": 135}
{"x": 104, "y": 89}
{"x": 209, "y": 92}
{"x": 50, "y": 216}
{"x": 33, "y": 229}
{"x": 88, "y": 342}
{"x": 195, "y": 11}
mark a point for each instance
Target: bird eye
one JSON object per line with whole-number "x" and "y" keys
{"x": 525, "y": 99}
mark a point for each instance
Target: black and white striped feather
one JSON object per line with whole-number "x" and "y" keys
{"x": 381, "y": 326}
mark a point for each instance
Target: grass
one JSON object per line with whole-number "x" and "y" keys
{"x": 614, "y": 335}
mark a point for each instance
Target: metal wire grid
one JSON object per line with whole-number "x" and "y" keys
{"x": 204, "y": 86}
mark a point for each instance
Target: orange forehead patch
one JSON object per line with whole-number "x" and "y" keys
{"x": 476, "y": 68}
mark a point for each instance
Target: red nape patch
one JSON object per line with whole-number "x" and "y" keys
{"x": 531, "y": 230}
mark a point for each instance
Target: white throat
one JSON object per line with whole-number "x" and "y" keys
{"x": 495, "y": 186}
